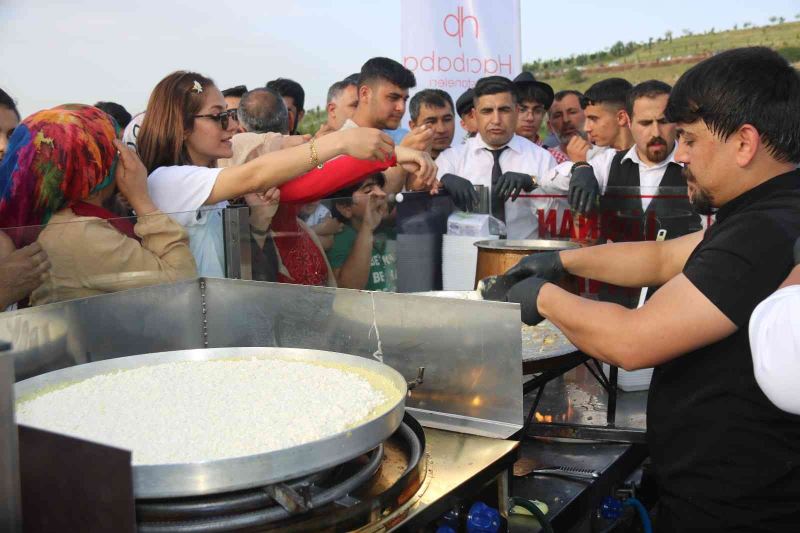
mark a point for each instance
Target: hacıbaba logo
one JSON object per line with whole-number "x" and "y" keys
{"x": 455, "y": 24}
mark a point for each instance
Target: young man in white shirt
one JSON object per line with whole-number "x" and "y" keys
{"x": 499, "y": 159}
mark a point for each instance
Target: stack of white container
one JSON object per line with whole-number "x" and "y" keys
{"x": 631, "y": 381}
{"x": 459, "y": 254}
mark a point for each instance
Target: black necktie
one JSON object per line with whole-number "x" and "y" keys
{"x": 498, "y": 207}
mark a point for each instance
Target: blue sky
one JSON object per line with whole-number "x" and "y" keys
{"x": 87, "y": 50}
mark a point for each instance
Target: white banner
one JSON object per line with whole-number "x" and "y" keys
{"x": 451, "y": 44}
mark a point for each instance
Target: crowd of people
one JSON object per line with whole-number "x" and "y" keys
{"x": 94, "y": 200}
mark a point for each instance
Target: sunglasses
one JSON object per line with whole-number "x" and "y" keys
{"x": 223, "y": 118}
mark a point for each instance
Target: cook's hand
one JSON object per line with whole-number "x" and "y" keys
{"x": 21, "y": 272}
{"x": 584, "y": 191}
{"x": 511, "y": 185}
{"x": 526, "y": 293}
{"x": 578, "y": 148}
{"x": 418, "y": 163}
{"x": 366, "y": 143}
{"x": 546, "y": 266}
{"x": 131, "y": 177}
{"x": 420, "y": 138}
{"x": 461, "y": 191}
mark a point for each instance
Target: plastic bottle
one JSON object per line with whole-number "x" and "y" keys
{"x": 483, "y": 519}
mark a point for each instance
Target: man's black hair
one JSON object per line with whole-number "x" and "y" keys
{"x": 237, "y": 91}
{"x": 465, "y": 102}
{"x": 560, "y": 95}
{"x": 119, "y": 113}
{"x": 646, "y": 89}
{"x": 352, "y": 78}
{"x": 7, "y": 101}
{"x": 383, "y": 68}
{"x": 345, "y": 196}
{"x": 611, "y": 91}
{"x": 263, "y": 111}
{"x": 290, "y": 88}
{"x": 429, "y": 97}
{"x": 494, "y": 85}
{"x": 755, "y": 86}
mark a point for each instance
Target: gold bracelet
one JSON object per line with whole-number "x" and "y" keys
{"x": 314, "y": 157}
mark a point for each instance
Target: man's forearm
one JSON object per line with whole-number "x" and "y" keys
{"x": 395, "y": 179}
{"x": 354, "y": 273}
{"x": 601, "y": 337}
{"x": 632, "y": 264}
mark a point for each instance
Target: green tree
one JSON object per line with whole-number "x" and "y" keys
{"x": 574, "y": 76}
{"x": 773, "y": 19}
{"x": 618, "y": 49}
{"x": 747, "y": 25}
{"x": 668, "y": 35}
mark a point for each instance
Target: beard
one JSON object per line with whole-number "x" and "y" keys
{"x": 659, "y": 154}
{"x": 701, "y": 201}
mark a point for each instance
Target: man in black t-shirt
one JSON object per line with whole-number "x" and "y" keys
{"x": 726, "y": 459}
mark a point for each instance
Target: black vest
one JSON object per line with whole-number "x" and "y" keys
{"x": 622, "y": 218}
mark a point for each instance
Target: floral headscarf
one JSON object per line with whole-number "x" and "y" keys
{"x": 55, "y": 158}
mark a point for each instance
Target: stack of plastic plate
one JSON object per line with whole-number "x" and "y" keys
{"x": 459, "y": 258}
{"x": 632, "y": 381}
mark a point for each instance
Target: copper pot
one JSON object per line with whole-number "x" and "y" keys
{"x": 497, "y": 256}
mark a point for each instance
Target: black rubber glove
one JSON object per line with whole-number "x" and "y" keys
{"x": 797, "y": 251}
{"x": 526, "y": 293}
{"x": 511, "y": 185}
{"x": 546, "y": 265}
{"x": 461, "y": 191}
{"x": 583, "y": 189}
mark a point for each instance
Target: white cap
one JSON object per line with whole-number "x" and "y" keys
{"x": 775, "y": 344}
{"x": 131, "y": 132}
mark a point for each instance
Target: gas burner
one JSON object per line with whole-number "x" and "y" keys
{"x": 345, "y": 497}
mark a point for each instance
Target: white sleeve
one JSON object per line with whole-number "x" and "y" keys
{"x": 444, "y": 163}
{"x": 601, "y": 163}
{"x": 775, "y": 345}
{"x": 180, "y": 191}
{"x": 556, "y": 179}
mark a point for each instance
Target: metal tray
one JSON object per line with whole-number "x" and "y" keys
{"x": 209, "y": 477}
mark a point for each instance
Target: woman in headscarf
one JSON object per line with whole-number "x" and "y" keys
{"x": 61, "y": 166}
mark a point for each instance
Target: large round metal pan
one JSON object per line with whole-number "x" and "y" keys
{"x": 209, "y": 477}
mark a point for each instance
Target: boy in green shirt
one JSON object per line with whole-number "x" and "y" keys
{"x": 359, "y": 256}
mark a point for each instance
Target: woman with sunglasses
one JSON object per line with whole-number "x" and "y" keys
{"x": 187, "y": 128}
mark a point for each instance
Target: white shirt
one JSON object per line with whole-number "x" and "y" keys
{"x": 180, "y": 192}
{"x": 775, "y": 344}
{"x": 474, "y": 162}
{"x": 557, "y": 181}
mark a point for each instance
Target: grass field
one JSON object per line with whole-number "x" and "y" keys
{"x": 777, "y": 36}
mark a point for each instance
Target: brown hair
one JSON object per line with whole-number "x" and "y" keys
{"x": 169, "y": 115}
